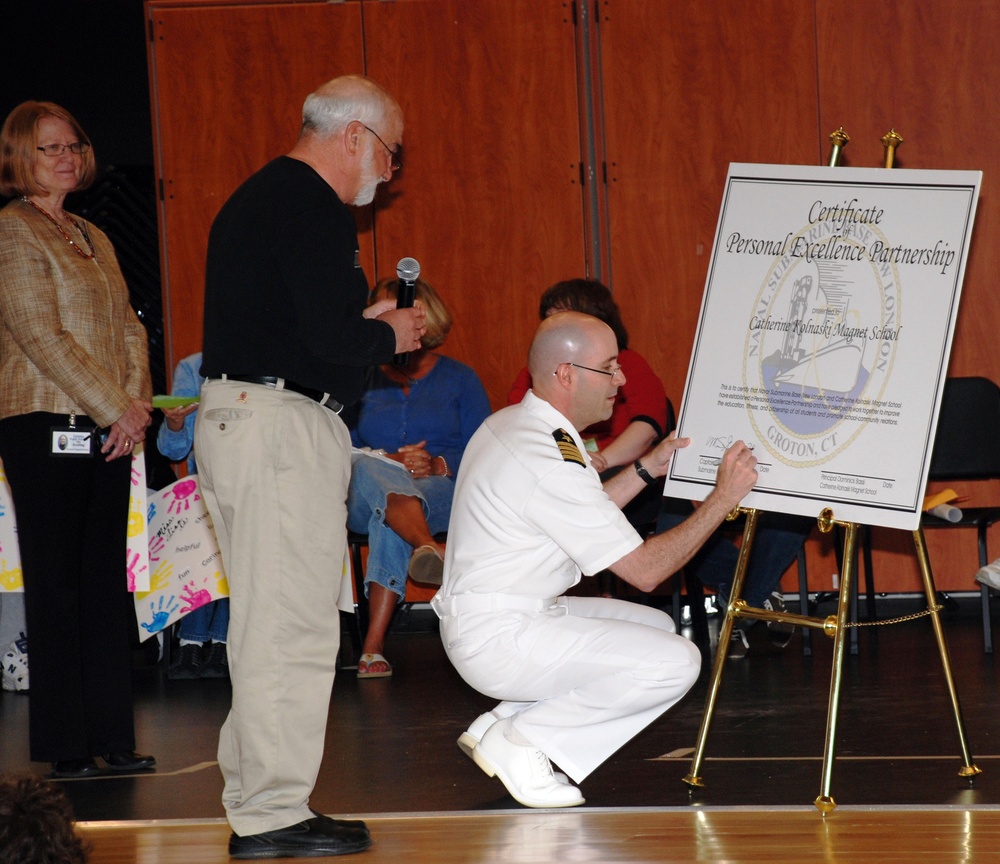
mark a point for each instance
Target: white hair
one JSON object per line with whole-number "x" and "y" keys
{"x": 338, "y": 102}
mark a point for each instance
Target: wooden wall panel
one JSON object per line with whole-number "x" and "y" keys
{"x": 689, "y": 88}
{"x": 228, "y": 82}
{"x": 489, "y": 199}
{"x": 927, "y": 69}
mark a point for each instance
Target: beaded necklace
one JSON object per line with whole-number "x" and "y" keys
{"x": 62, "y": 230}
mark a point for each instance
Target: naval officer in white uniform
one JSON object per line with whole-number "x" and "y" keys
{"x": 577, "y": 676}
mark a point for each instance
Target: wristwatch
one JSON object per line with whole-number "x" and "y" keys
{"x": 643, "y": 473}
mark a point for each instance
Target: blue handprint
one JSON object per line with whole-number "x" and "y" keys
{"x": 160, "y": 614}
{"x": 151, "y": 511}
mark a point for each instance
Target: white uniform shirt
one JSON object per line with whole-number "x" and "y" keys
{"x": 529, "y": 515}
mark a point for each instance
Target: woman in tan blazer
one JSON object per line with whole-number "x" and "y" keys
{"x": 74, "y": 400}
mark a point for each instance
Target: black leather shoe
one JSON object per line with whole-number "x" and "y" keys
{"x": 128, "y": 760}
{"x": 312, "y": 838}
{"x": 70, "y": 768}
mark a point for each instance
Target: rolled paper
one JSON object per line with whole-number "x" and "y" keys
{"x": 948, "y": 512}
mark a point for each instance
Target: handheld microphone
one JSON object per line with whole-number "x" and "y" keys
{"x": 407, "y": 272}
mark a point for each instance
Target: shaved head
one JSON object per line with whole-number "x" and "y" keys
{"x": 567, "y": 347}
{"x": 564, "y": 337}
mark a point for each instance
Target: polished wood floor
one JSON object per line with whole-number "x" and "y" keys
{"x": 391, "y": 758}
{"x": 637, "y": 836}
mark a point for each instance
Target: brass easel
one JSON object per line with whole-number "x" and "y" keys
{"x": 834, "y": 626}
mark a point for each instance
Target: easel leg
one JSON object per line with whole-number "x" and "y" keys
{"x": 693, "y": 778}
{"x": 824, "y": 802}
{"x": 969, "y": 769}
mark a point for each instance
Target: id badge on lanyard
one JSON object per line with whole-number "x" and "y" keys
{"x": 73, "y": 441}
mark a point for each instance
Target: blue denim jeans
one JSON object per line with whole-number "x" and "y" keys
{"x": 208, "y": 622}
{"x": 777, "y": 541}
{"x": 372, "y": 481}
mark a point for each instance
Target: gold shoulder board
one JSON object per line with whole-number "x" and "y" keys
{"x": 567, "y": 446}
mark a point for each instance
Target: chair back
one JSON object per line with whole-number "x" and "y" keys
{"x": 967, "y": 443}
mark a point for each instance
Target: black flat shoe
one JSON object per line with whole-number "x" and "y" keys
{"x": 70, "y": 768}
{"x": 319, "y": 836}
{"x": 128, "y": 760}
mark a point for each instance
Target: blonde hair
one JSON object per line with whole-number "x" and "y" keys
{"x": 439, "y": 319}
{"x": 18, "y": 153}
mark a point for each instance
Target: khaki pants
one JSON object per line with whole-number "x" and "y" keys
{"x": 274, "y": 468}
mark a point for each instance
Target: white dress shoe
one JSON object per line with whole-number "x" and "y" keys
{"x": 468, "y": 740}
{"x": 524, "y": 770}
{"x": 471, "y": 737}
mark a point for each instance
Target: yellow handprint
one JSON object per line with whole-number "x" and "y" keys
{"x": 136, "y": 519}
{"x": 159, "y": 579}
{"x": 11, "y": 579}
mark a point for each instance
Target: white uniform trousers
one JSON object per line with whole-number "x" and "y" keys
{"x": 274, "y": 469}
{"x": 580, "y": 679}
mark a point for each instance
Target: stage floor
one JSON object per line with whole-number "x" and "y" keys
{"x": 391, "y": 742}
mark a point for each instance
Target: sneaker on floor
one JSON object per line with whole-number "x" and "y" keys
{"x": 990, "y": 575}
{"x": 188, "y": 665}
{"x": 15, "y": 666}
{"x": 738, "y": 645}
{"x": 216, "y": 663}
{"x": 779, "y": 632}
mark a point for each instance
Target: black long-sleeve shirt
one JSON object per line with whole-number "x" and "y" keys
{"x": 284, "y": 288}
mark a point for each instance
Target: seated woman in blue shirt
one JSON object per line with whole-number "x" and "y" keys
{"x": 420, "y": 416}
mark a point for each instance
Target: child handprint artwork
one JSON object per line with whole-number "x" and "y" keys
{"x": 134, "y": 569}
{"x": 182, "y": 492}
{"x": 184, "y": 566}
{"x": 161, "y": 614}
{"x": 156, "y": 547}
{"x": 10, "y": 578}
{"x": 194, "y": 599}
{"x": 158, "y": 581}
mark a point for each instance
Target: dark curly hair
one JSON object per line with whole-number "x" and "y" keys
{"x": 36, "y": 823}
{"x": 589, "y": 297}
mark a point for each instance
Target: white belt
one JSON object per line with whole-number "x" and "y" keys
{"x": 459, "y": 603}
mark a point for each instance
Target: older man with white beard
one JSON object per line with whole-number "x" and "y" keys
{"x": 287, "y": 339}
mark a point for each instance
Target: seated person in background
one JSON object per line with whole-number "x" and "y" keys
{"x": 420, "y": 415}
{"x": 36, "y": 823}
{"x": 638, "y": 420}
{"x": 639, "y": 417}
{"x": 578, "y": 676}
{"x": 203, "y": 631}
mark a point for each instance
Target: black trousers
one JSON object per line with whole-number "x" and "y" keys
{"x": 72, "y": 518}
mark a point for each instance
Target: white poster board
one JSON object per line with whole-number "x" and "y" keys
{"x": 824, "y": 337}
{"x": 11, "y": 577}
{"x": 184, "y": 560}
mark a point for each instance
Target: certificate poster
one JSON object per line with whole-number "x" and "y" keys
{"x": 824, "y": 336}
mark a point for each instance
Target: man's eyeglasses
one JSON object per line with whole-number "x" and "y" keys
{"x": 395, "y": 156}
{"x": 609, "y": 372}
{"x": 76, "y": 148}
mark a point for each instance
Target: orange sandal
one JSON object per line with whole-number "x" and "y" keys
{"x": 373, "y": 666}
